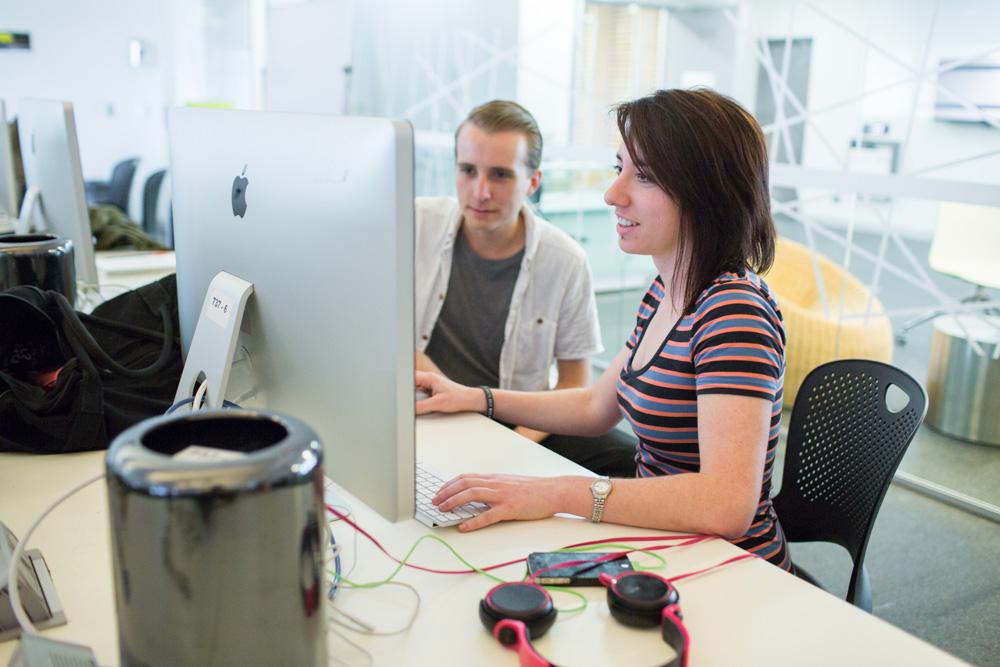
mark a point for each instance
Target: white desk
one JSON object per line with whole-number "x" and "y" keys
{"x": 130, "y": 268}
{"x": 749, "y": 613}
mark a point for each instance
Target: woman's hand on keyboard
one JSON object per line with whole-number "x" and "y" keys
{"x": 509, "y": 497}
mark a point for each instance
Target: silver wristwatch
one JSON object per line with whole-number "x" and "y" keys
{"x": 600, "y": 489}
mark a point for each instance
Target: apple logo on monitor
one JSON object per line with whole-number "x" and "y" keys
{"x": 240, "y": 193}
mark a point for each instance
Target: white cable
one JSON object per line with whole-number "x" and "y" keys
{"x": 90, "y": 296}
{"x": 367, "y": 628}
{"x": 15, "y": 595}
{"x": 354, "y": 550}
{"x": 199, "y": 395}
{"x": 364, "y": 627}
{"x": 359, "y": 647}
{"x": 330, "y": 560}
{"x": 346, "y": 510}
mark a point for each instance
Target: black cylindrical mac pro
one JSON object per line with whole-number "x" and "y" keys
{"x": 42, "y": 260}
{"x": 217, "y": 536}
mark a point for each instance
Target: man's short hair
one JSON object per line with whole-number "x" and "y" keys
{"x": 507, "y": 116}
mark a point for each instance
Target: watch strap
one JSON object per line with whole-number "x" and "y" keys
{"x": 600, "y": 499}
{"x": 598, "y": 512}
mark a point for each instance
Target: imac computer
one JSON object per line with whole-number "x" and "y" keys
{"x": 10, "y": 196}
{"x": 51, "y": 156}
{"x": 317, "y": 213}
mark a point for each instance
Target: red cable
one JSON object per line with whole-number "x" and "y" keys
{"x": 711, "y": 567}
{"x": 378, "y": 544}
{"x": 685, "y": 540}
{"x": 640, "y": 538}
{"x": 618, "y": 554}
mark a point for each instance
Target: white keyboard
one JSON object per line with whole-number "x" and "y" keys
{"x": 427, "y": 484}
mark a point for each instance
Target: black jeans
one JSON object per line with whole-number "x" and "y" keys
{"x": 611, "y": 454}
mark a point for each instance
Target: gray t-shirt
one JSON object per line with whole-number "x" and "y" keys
{"x": 469, "y": 332}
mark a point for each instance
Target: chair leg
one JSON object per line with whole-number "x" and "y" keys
{"x": 860, "y": 591}
{"x": 802, "y": 574}
{"x": 979, "y": 295}
{"x": 913, "y": 323}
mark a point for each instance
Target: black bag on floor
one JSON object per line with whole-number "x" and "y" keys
{"x": 70, "y": 381}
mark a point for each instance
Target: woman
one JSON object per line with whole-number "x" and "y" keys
{"x": 700, "y": 378}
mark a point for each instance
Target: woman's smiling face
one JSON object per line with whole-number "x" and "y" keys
{"x": 649, "y": 220}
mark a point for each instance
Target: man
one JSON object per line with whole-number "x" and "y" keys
{"x": 502, "y": 293}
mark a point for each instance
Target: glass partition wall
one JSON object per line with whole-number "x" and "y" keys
{"x": 875, "y": 113}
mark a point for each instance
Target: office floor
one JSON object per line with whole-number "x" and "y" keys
{"x": 935, "y": 570}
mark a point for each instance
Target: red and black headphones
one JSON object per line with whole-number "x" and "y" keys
{"x": 518, "y": 612}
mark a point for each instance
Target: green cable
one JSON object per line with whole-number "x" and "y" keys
{"x": 624, "y": 547}
{"x": 406, "y": 559}
{"x": 560, "y": 589}
{"x": 571, "y": 610}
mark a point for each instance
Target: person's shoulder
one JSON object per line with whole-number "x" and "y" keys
{"x": 434, "y": 207}
{"x": 554, "y": 240}
{"x": 736, "y": 286}
{"x": 434, "y": 213}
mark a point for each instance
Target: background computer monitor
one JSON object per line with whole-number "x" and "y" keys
{"x": 323, "y": 228}
{"x": 51, "y": 156}
{"x": 10, "y": 196}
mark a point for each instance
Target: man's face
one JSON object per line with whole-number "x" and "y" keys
{"x": 492, "y": 177}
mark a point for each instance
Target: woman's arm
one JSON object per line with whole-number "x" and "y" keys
{"x": 720, "y": 499}
{"x": 589, "y": 411}
{"x": 571, "y": 373}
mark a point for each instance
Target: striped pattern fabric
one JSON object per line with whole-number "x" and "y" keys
{"x": 733, "y": 343}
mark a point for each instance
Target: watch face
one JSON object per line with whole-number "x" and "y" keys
{"x": 601, "y": 486}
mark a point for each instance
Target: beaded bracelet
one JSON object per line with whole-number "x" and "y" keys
{"x": 489, "y": 401}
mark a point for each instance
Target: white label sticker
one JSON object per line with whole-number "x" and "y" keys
{"x": 201, "y": 453}
{"x": 219, "y": 309}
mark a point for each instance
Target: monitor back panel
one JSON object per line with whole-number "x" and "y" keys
{"x": 51, "y": 156}
{"x": 9, "y": 201}
{"x": 326, "y": 238}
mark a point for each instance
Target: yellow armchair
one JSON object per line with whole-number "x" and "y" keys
{"x": 816, "y": 333}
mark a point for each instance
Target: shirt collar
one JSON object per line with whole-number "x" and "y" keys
{"x": 531, "y": 230}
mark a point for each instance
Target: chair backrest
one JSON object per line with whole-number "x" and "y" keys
{"x": 967, "y": 243}
{"x": 844, "y": 445}
{"x": 151, "y": 199}
{"x": 120, "y": 186}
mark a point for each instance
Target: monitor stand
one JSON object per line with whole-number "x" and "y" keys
{"x": 38, "y": 593}
{"x": 33, "y": 209}
{"x": 31, "y": 205}
{"x": 210, "y": 357}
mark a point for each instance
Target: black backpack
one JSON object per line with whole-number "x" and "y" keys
{"x": 70, "y": 381}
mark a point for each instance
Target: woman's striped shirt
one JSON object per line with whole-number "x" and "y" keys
{"x": 733, "y": 343}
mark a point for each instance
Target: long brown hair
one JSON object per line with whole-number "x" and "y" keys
{"x": 709, "y": 154}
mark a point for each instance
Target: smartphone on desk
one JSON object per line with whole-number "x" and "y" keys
{"x": 547, "y": 565}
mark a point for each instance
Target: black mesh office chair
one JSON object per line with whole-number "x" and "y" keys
{"x": 116, "y": 191}
{"x": 844, "y": 445}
